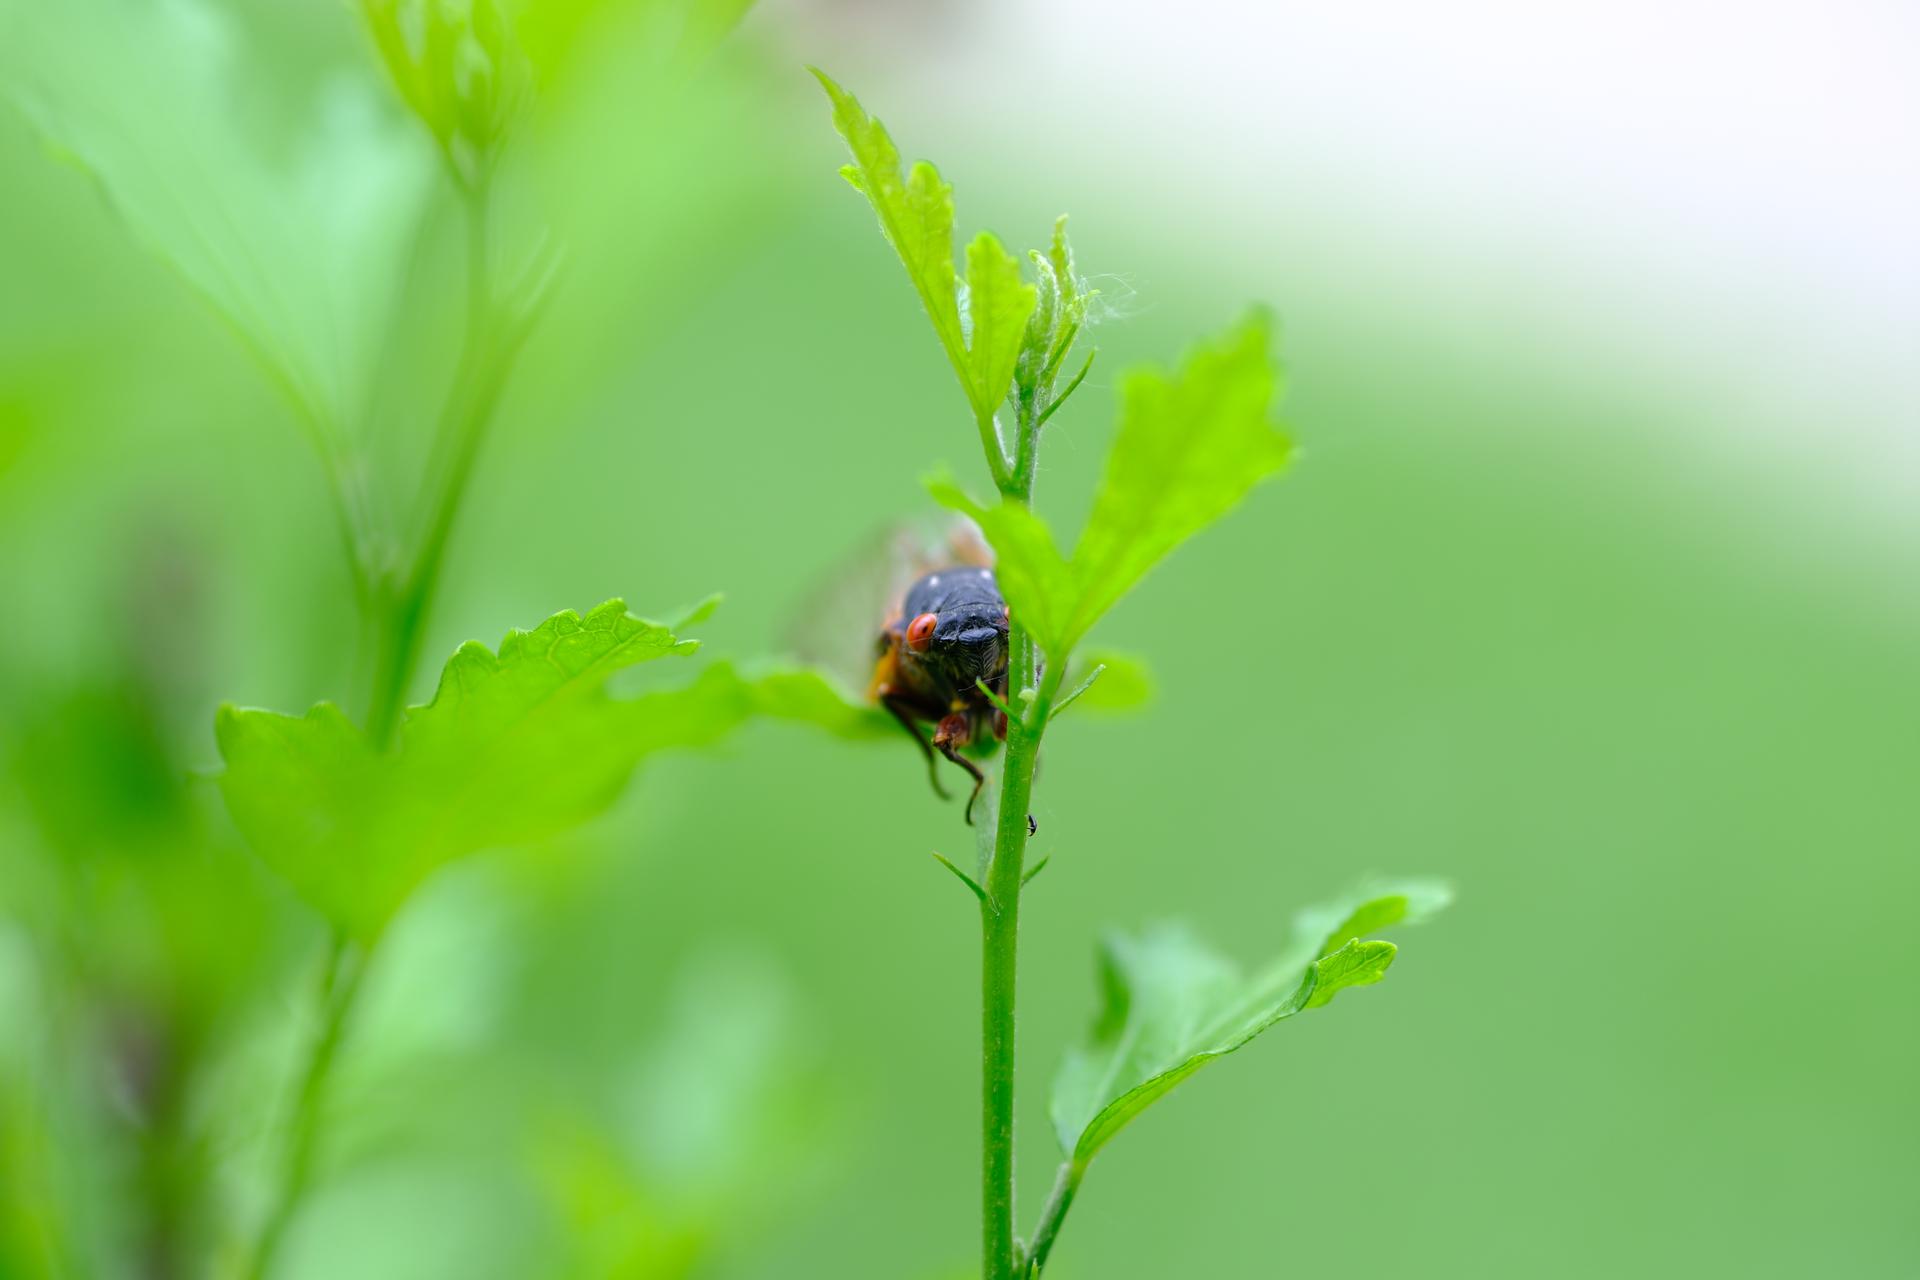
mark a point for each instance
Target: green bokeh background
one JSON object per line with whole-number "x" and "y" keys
{"x": 1491, "y": 627}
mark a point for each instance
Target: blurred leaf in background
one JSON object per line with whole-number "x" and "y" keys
{"x": 145, "y": 942}
{"x": 458, "y": 67}
{"x": 677, "y": 33}
{"x": 708, "y": 1137}
{"x": 295, "y": 227}
{"x": 274, "y": 178}
{"x": 513, "y": 747}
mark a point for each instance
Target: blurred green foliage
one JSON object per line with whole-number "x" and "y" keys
{"x": 148, "y": 925}
{"x": 1492, "y": 629}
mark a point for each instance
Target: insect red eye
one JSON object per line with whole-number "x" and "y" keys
{"x": 920, "y": 631}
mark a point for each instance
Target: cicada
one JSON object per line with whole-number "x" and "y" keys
{"x": 938, "y": 658}
{"x": 938, "y": 643}
{"x": 914, "y": 615}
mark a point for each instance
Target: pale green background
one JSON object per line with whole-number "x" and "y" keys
{"x": 1527, "y": 615}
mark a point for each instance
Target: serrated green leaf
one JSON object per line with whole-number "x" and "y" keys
{"x": 1190, "y": 446}
{"x": 1357, "y": 964}
{"x": 1036, "y": 580}
{"x": 515, "y": 746}
{"x": 916, "y": 217}
{"x": 1172, "y": 1004}
{"x": 1368, "y": 909}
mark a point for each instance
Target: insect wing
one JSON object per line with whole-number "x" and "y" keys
{"x": 837, "y": 622}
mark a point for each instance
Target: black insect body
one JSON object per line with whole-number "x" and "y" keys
{"x": 949, "y": 638}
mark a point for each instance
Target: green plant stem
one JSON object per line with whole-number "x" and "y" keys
{"x": 1026, "y": 449}
{"x": 1065, "y": 1187}
{"x": 476, "y": 386}
{"x": 484, "y": 365}
{"x": 169, "y": 1180}
{"x": 999, "y": 968}
{"x": 339, "y": 985}
{"x": 996, "y": 453}
{"x": 1000, "y": 944}
{"x": 1004, "y": 877}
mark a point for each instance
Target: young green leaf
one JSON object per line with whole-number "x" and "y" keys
{"x": 514, "y": 746}
{"x": 1172, "y": 1005}
{"x": 1189, "y": 448}
{"x": 1368, "y": 909}
{"x": 964, "y": 878}
{"x": 1035, "y": 578}
{"x": 1058, "y": 317}
{"x": 916, "y": 217}
{"x": 1074, "y": 295}
{"x": 456, "y": 65}
{"x": 998, "y": 304}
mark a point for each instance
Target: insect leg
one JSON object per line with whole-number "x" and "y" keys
{"x": 954, "y": 731}
{"x": 906, "y": 722}
{"x": 979, "y": 778}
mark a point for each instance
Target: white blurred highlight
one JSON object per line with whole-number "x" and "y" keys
{"x": 1710, "y": 202}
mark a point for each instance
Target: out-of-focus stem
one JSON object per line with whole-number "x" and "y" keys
{"x": 477, "y": 382}
{"x": 339, "y": 984}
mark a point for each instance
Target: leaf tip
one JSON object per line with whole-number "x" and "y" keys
{"x": 698, "y": 613}
{"x": 945, "y": 489}
{"x": 964, "y": 878}
{"x": 828, "y": 83}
